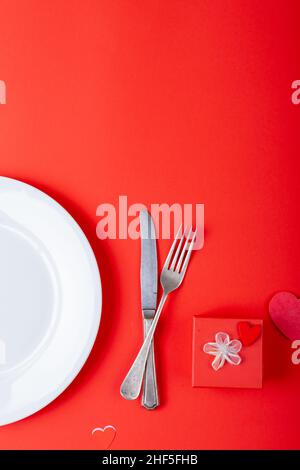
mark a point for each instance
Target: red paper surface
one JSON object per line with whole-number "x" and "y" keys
{"x": 248, "y": 374}
{"x": 167, "y": 101}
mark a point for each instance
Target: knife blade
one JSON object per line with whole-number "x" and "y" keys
{"x": 148, "y": 278}
{"x": 148, "y": 262}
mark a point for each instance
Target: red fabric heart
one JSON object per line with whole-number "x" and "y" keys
{"x": 248, "y": 333}
{"x": 284, "y": 310}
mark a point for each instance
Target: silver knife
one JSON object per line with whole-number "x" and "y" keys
{"x": 149, "y": 301}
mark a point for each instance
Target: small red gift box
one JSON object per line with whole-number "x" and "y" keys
{"x": 227, "y": 353}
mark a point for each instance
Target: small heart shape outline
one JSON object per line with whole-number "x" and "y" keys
{"x": 109, "y": 426}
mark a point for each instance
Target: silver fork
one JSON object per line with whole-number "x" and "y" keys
{"x": 171, "y": 277}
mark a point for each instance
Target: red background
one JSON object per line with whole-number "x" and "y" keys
{"x": 173, "y": 101}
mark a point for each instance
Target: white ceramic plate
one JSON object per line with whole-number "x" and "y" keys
{"x": 50, "y": 300}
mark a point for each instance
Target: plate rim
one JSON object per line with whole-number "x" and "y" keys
{"x": 49, "y": 398}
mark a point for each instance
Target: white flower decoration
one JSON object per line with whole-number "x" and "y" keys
{"x": 224, "y": 350}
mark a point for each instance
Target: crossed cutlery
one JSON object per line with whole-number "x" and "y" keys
{"x": 171, "y": 277}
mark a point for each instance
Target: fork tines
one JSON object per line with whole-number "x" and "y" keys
{"x": 182, "y": 255}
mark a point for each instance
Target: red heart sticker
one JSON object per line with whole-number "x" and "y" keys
{"x": 248, "y": 333}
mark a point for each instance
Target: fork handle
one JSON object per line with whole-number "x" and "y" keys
{"x": 132, "y": 384}
{"x": 150, "y": 394}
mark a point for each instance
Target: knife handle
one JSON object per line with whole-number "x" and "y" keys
{"x": 150, "y": 394}
{"x": 132, "y": 384}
